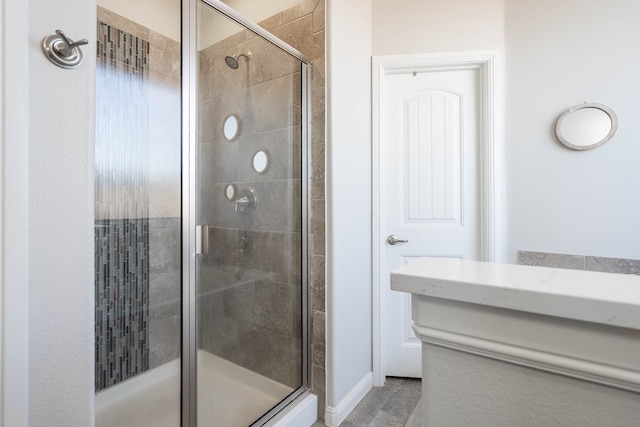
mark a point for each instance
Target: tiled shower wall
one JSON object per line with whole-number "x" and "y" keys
{"x": 137, "y": 231}
{"x": 580, "y": 262}
{"x": 303, "y": 27}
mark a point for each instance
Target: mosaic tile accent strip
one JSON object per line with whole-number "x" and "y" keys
{"x": 122, "y": 206}
{"x": 122, "y": 299}
{"x": 122, "y": 50}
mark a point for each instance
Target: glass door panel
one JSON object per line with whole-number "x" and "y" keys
{"x": 138, "y": 211}
{"x": 249, "y": 203}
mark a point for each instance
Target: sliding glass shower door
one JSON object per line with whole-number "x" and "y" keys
{"x": 250, "y": 193}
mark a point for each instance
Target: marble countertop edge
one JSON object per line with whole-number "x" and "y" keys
{"x": 604, "y": 298}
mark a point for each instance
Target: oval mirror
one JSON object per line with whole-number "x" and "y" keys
{"x": 261, "y": 161}
{"x": 231, "y": 127}
{"x": 230, "y": 192}
{"x": 586, "y": 126}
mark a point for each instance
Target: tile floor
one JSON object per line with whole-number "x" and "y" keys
{"x": 397, "y": 404}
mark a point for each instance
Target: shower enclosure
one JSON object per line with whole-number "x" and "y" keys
{"x": 201, "y": 228}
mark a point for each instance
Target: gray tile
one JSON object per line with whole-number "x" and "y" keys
{"x": 283, "y": 146}
{"x": 278, "y": 206}
{"x": 394, "y": 404}
{"x": 268, "y": 353}
{"x": 613, "y": 265}
{"x": 317, "y": 282}
{"x": 160, "y": 311}
{"x": 164, "y": 287}
{"x": 318, "y": 171}
{"x": 319, "y": 17}
{"x": 292, "y": 256}
{"x": 164, "y": 341}
{"x": 276, "y": 306}
{"x": 318, "y": 354}
{"x": 545, "y": 259}
{"x": 164, "y": 222}
{"x": 224, "y": 247}
{"x": 298, "y": 33}
{"x": 415, "y": 418}
{"x": 271, "y": 22}
{"x": 164, "y": 250}
{"x": 403, "y": 400}
{"x": 317, "y": 227}
{"x": 368, "y": 408}
{"x": 240, "y": 302}
{"x": 211, "y": 202}
{"x": 216, "y": 332}
{"x": 318, "y": 386}
{"x": 383, "y": 419}
{"x": 265, "y": 251}
{"x": 300, "y": 9}
{"x": 318, "y": 327}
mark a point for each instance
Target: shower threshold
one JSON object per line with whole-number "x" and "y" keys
{"x": 228, "y": 396}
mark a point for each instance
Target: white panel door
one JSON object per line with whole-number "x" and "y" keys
{"x": 429, "y": 187}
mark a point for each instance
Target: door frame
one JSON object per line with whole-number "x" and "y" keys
{"x": 488, "y": 66}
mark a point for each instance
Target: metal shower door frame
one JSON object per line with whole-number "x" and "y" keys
{"x": 189, "y": 191}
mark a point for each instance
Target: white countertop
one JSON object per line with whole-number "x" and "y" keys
{"x": 606, "y": 298}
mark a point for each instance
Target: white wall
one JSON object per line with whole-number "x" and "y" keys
{"x": 423, "y": 26}
{"x": 557, "y": 55}
{"x": 560, "y": 54}
{"x": 348, "y": 196}
{"x": 213, "y": 28}
{"x": 161, "y": 16}
{"x": 13, "y": 193}
{"x": 61, "y": 276}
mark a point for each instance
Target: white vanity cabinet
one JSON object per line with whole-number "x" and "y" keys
{"x": 522, "y": 346}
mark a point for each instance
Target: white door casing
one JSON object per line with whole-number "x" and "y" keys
{"x": 453, "y": 220}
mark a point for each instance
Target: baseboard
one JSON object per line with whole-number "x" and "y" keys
{"x": 304, "y": 414}
{"x": 333, "y": 416}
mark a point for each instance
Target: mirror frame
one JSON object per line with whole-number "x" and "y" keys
{"x": 603, "y": 108}
{"x": 238, "y": 128}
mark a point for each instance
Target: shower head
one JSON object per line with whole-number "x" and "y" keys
{"x": 232, "y": 61}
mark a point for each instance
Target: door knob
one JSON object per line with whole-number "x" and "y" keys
{"x": 393, "y": 240}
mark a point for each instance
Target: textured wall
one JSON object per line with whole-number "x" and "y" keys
{"x": 60, "y": 200}
{"x": 461, "y": 389}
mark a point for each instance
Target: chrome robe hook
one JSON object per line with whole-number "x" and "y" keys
{"x": 63, "y": 51}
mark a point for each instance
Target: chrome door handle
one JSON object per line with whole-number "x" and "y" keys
{"x": 393, "y": 240}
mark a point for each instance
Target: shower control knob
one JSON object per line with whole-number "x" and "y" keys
{"x": 393, "y": 240}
